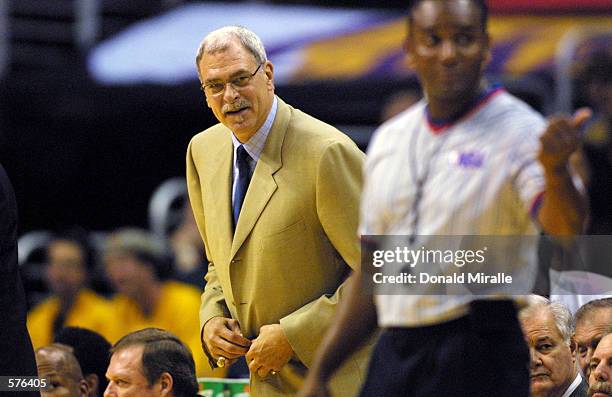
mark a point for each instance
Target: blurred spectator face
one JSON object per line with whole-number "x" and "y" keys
{"x": 448, "y": 48}
{"x": 241, "y": 108}
{"x": 589, "y": 331}
{"x": 552, "y": 360}
{"x": 128, "y": 275}
{"x": 600, "y": 380}
{"x": 61, "y": 371}
{"x": 126, "y": 376}
{"x": 66, "y": 270}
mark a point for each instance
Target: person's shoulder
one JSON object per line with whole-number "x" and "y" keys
{"x": 90, "y": 297}
{"x": 180, "y": 289}
{"x": 411, "y": 115}
{"x": 49, "y": 304}
{"x": 393, "y": 131}
{"x": 216, "y": 133}
{"x": 120, "y": 303}
{"x": 511, "y": 112}
{"x": 315, "y": 132}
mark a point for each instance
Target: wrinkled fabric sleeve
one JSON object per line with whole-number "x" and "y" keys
{"x": 338, "y": 186}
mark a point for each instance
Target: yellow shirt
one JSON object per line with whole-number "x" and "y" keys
{"x": 177, "y": 312}
{"x": 89, "y": 310}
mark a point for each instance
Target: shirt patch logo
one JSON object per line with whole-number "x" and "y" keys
{"x": 469, "y": 159}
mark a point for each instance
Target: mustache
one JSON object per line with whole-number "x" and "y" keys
{"x": 232, "y": 107}
{"x": 600, "y": 387}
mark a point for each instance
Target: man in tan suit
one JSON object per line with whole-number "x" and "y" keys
{"x": 275, "y": 195}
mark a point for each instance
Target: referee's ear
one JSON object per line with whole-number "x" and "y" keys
{"x": 409, "y": 48}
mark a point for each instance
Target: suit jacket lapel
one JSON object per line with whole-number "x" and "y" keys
{"x": 222, "y": 183}
{"x": 262, "y": 185}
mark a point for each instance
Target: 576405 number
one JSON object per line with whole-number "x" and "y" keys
{"x": 22, "y": 383}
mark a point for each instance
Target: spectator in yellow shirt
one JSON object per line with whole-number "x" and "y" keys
{"x": 138, "y": 266}
{"x": 71, "y": 302}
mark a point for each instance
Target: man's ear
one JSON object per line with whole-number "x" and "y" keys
{"x": 93, "y": 383}
{"x": 573, "y": 346}
{"x": 269, "y": 71}
{"x": 488, "y": 55}
{"x": 165, "y": 384}
{"x": 84, "y": 388}
{"x": 409, "y": 49}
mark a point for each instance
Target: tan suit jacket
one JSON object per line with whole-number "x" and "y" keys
{"x": 296, "y": 233}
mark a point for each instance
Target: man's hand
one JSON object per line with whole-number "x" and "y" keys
{"x": 563, "y": 210}
{"x": 560, "y": 139}
{"x": 270, "y": 351}
{"x": 222, "y": 338}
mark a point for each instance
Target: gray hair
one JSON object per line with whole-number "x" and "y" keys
{"x": 588, "y": 308}
{"x": 561, "y": 314}
{"x": 143, "y": 246}
{"x": 220, "y": 39}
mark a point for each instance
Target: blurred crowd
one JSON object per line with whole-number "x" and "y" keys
{"x": 135, "y": 280}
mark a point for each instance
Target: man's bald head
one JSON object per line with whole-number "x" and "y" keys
{"x": 593, "y": 321}
{"x": 57, "y": 364}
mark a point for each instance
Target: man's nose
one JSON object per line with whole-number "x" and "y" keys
{"x": 109, "y": 390}
{"x": 534, "y": 357}
{"x": 448, "y": 52}
{"x": 599, "y": 374}
{"x": 230, "y": 94}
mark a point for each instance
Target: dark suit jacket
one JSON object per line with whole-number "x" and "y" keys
{"x": 16, "y": 354}
{"x": 581, "y": 390}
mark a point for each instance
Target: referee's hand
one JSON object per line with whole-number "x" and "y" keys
{"x": 561, "y": 138}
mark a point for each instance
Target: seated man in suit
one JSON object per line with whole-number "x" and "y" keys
{"x": 61, "y": 371}
{"x": 548, "y": 330}
{"x": 593, "y": 320}
{"x": 151, "y": 363}
{"x": 275, "y": 196}
{"x": 600, "y": 379}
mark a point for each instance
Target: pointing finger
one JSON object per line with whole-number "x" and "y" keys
{"x": 581, "y": 116}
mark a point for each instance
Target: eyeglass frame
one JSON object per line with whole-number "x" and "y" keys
{"x": 232, "y": 82}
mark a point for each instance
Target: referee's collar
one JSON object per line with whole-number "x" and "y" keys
{"x": 440, "y": 125}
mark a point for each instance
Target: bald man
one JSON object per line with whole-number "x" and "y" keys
{"x": 593, "y": 321}
{"x": 60, "y": 368}
{"x": 600, "y": 378}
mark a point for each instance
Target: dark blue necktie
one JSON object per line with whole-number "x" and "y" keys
{"x": 242, "y": 184}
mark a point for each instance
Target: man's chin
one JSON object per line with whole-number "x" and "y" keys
{"x": 540, "y": 385}
{"x": 242, "y": 129}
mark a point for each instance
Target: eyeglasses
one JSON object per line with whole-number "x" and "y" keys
{"x": 216, "y": 88}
